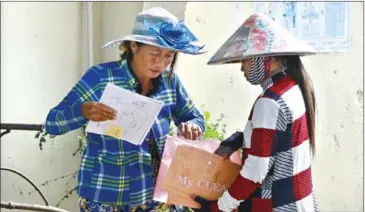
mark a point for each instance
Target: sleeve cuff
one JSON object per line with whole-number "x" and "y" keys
{"x": 214, "y": 207}
{"x": 198, "y": 123}
{"x": 235, "y": 140}
{"x": 77, "y": 112}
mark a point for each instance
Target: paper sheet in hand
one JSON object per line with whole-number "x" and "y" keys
{"x": 135, "y": 115}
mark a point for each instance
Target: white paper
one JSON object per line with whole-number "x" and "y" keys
{"x": 323, "y": 25}
{"x": 135, "y": 115}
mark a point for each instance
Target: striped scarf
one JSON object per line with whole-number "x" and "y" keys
{"x": 257, "y": 72}
{"x": 260, "y": 70}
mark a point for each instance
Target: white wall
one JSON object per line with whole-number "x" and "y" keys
{"x": 338, "y": 165}
{"x": 117, "y": 20}
{"x": 51, "y": 55}
{"x": 40, "y": 62}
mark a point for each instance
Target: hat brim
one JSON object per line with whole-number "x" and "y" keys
{"x": 238, "y": 59}
{"x": 150, "y": 40}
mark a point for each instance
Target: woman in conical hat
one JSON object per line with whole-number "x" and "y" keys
{"x": 116, "y": 175}
{"x": 279, "y": 139}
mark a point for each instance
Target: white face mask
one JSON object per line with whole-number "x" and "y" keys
{"x": 256, "y": 74}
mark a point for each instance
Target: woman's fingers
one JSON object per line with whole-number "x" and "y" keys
{"x": 181, "y": 128}
{"x": 96, "y": 111}
{"x": 97, "y": 118}
{"x": 189, "y": 130}
{"x": 98, "y": 115}
{"x": 108, "y": 111}
{"x": 106, "y": 115}
{"x": 196, "y": 131}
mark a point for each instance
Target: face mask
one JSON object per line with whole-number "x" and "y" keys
{"x": 256, "y": 74}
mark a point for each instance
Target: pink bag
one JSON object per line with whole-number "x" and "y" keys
{"x": 171, "y": 146}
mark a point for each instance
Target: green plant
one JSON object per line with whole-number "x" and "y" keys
{"x": 214, "y": 130}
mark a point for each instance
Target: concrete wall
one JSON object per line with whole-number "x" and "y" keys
{"x": 338, "y": 80}
{"x": 52, "y": 55}
{"x": 117, "y": 20}
{"x": 40, "y": 61}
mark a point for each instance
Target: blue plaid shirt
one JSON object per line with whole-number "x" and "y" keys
{"x": 114, "y": 171}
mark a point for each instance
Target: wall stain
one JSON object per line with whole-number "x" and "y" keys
{"x": 199, "y": 20}
{"x": 335, "y": 143}
{"x": 347, "y": 108}
{"x": 360, "y": 97}
{"x": 20, "y": 191}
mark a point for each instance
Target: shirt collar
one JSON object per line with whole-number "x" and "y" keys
{"x": 280, "y": 73}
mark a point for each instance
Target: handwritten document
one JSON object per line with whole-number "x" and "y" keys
{"x": 135, "y": 115}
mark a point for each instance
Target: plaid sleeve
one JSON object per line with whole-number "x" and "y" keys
{"x": 67, "y": 115}
{"x": 185, "y": 109}
{"x": 260, "y": 153}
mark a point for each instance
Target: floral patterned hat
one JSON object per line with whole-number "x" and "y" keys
{"x": 158, "y": 27}
{"x": 259, "y": 35}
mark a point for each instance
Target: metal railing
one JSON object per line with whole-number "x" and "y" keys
{"x": 8, "y": 128}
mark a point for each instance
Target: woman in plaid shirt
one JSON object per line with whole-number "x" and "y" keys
{"x": 116, "y": 175}
{"x": 279, "y": 138}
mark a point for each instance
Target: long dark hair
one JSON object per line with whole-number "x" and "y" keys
{"x": 127, "y": 54}
{"x": 296, "y": 69}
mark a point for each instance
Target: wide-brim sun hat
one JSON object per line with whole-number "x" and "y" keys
{"x": 158, "y": 27}
{"x": 260, "y": 35}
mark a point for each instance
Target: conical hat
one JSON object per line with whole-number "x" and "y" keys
{"x": 259, "y": 35}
